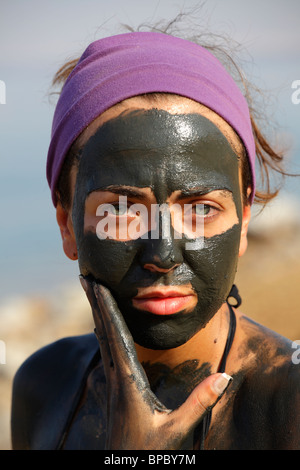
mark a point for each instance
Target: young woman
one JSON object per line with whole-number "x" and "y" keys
{"x": 152, "y": 171}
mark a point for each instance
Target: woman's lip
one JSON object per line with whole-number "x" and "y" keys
{"x": 164, "y": 302}
{"x": 161, "y": 295}
{"x": 163, "y": 292}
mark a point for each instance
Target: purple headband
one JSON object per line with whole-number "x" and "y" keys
{"x": 119, "y": 67}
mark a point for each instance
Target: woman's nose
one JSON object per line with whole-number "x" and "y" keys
{"x": 161, "y": 255}
{"x": 162, "y": 250}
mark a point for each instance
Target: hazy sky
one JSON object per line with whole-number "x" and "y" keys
{"x": 44, "y": 29}
{"x": 36, "y": 36}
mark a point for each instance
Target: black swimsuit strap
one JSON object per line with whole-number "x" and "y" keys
{"x": 202, "y": 430}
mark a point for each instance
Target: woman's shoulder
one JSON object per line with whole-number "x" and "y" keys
{"x": 266, "y": 361}
{"x": 269, "y": 367}
{"x": 52, "y": 359}
{"x": 264, "y": 346}
{"x": 45, "y": 387}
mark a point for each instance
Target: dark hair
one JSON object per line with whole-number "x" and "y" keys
{"x": 268, "y": 158}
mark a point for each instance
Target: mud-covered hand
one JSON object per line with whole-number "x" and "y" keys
{"x": 136, "y": 419}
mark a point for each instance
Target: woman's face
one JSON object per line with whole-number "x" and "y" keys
{"x": 157, "y": 218}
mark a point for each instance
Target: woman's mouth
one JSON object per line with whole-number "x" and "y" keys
{"x": 165, "y": 301}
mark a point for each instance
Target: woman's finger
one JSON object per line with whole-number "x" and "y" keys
{"x": 117, "y": 340}
{"x": 100, "y": 331}
{"x": 203, "y": 398}
{"x": 121, "y": 341}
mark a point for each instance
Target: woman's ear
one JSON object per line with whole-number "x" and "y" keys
{"x": 64, "y": 221}
{"x": 244, "y": 232}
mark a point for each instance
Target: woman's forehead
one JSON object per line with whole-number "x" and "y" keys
{"x": 156, "y": 149}
{"x": 173, "y": 104}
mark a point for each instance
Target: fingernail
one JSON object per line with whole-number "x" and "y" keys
{"x": 221, "y": 383}
{"x": 83, "y": 283}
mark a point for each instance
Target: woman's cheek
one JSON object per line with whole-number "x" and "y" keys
{"x": 215, "y": 265}
{"x": 108, "y": 261}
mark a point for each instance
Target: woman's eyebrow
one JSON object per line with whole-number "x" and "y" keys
{"x": 198, "y": 192}
{"x": 125, "y": 191}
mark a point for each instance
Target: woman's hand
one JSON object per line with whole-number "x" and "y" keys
{"x": 136, "y": 419}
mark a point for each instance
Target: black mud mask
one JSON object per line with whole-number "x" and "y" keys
{"x": 166, "y": 153}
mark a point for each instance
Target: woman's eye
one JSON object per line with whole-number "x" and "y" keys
{"x": 119, "y": 209}
{"x": 204, "y": 210}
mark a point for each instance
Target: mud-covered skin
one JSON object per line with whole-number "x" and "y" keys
{"x": 263, "y": 405}
{"x": 165, "y": 153}
{"x": 135, "y": 418}
{"x": 259, "y": 410}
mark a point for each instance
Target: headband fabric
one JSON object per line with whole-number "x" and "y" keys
{"x": 126, "y": 65}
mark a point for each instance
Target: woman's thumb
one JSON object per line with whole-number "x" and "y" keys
{"x": 202, "y": 398}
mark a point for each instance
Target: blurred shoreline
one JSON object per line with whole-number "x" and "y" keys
{"x": 268, "y": 279}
